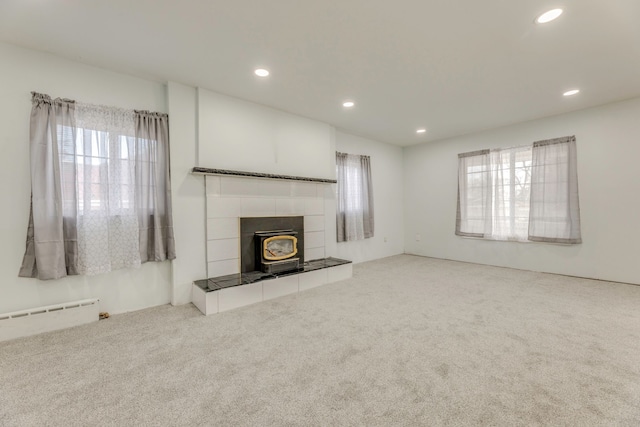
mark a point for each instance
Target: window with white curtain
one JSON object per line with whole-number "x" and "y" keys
{"x": 354, "y": 216}
{"x": 527, "y": 193}
{"x": 100, "y": 184}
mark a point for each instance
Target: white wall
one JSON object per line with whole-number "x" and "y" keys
{"x": 187, "y": 193}
{"x": 608, "y": 142}
{"x": 240, "y": 135}
{"x": 24, "y": 71}
{"x": 387, "y": 176}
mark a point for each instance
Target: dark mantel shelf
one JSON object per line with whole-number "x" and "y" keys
{"x": 208, "y": 171}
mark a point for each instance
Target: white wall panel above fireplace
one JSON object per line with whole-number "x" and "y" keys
{"x": 239, "y": 135}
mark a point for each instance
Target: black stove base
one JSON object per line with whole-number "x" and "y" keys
{"x": 275, "y": 267}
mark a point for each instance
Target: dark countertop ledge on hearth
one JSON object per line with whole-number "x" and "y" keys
{"x": 238, "y": 279}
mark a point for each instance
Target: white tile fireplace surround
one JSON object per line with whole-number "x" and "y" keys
{"x": 229, "y": 198}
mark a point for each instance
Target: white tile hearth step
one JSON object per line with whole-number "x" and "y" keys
{"x": 239, "y": 296}
{"x": 313, "y": 279}
{"x": 280, "y": 287}
{"x": 207, "y": 302}
{"x": 340, "y": 272}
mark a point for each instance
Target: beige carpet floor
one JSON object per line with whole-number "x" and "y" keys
{"x": 407, "y": 341}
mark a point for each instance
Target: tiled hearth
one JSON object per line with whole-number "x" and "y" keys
{"x": 237, "y": 290}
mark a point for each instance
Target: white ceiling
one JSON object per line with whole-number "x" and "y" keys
{"x": 452, "y": 66}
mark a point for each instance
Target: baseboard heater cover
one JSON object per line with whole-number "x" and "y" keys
{"x": 48, "y": 318}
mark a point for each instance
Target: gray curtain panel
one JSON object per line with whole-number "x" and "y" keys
{"x": 153, "y": 186}
{"x": 474, "y": 194}
{"x": 554, "y": 213}
{"x": 367, "y": 199}
{"x": 52, "y": 247}
{"x": 354, "y": 216}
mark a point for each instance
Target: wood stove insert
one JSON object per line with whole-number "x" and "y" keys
{"x": 276, "y": 250}
{"x": 286, "y": 244}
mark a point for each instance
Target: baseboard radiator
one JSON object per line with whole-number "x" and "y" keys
{"x": 49, "y": 318}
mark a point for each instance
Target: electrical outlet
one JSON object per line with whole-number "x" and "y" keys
{"x": 385, "y": 239}
{"x": 417, "y": 237}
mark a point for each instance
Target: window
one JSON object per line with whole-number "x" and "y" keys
{"x": 522, "y": 194}
{"x": 108, "y": 170}
{"x": 98, "y": 167}
{"x": 354, "y": 214}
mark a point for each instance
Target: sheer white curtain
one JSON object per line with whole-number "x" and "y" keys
{"x": 354, "y": 216}
{"x": 105, "y": 180}
{"x": 510, "y": 189}
{"x": 555, "y": 209}
{"x": 493, "y": 193}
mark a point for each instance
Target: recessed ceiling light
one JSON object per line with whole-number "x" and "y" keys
{"x": 548, "y": 16}
{"x": 348, "y": 104}
{"x": 421, "y": 131}
{"x": 261, "y": 72}
{"x": 571, "y": 92}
